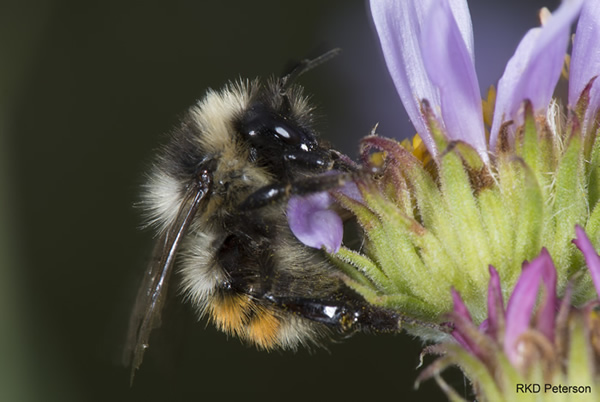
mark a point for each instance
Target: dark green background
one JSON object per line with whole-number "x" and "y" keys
{"x": 87, "y": 91}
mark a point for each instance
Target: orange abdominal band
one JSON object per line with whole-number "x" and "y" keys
{"x": 240, "y": 316}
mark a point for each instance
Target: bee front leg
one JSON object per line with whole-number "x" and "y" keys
{"x": 317, "y": 161}
{"x": 321, "y": 160}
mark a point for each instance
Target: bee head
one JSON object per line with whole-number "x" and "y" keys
{"x": 279, "y": 138}
{"x": 277, "y": 125}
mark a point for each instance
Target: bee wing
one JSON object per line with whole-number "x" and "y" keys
{"x": 152, "y": 292}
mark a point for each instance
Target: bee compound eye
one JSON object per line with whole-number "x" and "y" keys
{"x": 262, "y": 125}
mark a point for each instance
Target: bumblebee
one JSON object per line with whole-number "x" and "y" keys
{"x": 217, "y": 198}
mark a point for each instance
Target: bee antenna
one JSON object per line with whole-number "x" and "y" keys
{"x": 303, "y": 66}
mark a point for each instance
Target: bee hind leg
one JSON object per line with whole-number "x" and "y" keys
{"x": 343, "y": 317}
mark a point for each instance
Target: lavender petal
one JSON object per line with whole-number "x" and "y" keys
{"x": 399, "y": 25}
{"x": 533, "y": 71}
{"x": 313, "y": 223}
{"x": 585, "y": 60}
{"x": 443, "y": 45}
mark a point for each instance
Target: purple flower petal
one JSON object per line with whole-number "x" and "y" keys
{"x": 533, "y": 71}
{"x": 462, "y": 17}
{"x": 591, "y": 256}
{"x": 351, "y": 190}
{"x": 399, "y": 25}
{"x": 313, "y": 223}
{"x": 522, "y": 302}
{"x": 585, "y": 60}
{"x": 459, "y": 306}
{"x": 507, "y": 90}
{"x": 547, "y": 315}
{"x": 484, "y": 327}
{"x": 495, "y": 304}
{"x": 461, "y": 314}
{"x": 443, "y": 45}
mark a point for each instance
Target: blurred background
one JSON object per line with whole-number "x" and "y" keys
{"x": 87, "y": 92}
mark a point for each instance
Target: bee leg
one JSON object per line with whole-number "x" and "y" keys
{"x": 344, "y": 317}
{"x": 313, "y": 160}
{"x": 280, "y": 191}
{"x": 343, "y": 162}
{"x": 321, "y": 161}
{"x": 347, "y": 314}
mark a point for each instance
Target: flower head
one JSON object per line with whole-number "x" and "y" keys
{"x": 476, "y": 206}
{"x": 521, "y": 196}
{"x": 428, "y": 47}
{"x": 522, "y": 344}
{"x": 506, "y": 184}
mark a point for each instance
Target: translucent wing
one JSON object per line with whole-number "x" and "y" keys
{"x": 152, "y": 292}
